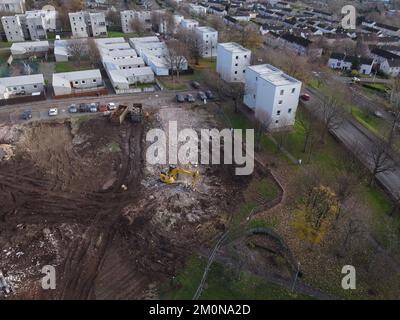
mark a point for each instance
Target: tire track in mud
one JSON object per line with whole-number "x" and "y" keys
{"x": 86, "y": 256}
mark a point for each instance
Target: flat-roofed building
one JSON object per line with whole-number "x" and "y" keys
{"x": 232, "y": 61}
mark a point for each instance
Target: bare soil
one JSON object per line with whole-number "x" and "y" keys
{"x": 63, "y": 204}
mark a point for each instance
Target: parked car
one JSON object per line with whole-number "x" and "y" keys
{"x": 195, "y": 84}
{"x": 83, "y": 107}
{"x": 305, "y": 97}
{"x": 53, "y": 112}
{"x": 201, "y": 95}
{"x": 26, "y": 115}
{"x": 103, "y": 108}
{"x": 190, "y": 98}
{"x": 210, "y": 95}
{"x": 72, "y": 108}
{"x": 180, "y": 98}
{"x": 93, "y": 107}
{"x": 111, "y": 106}
{"x": 378, "y": 114}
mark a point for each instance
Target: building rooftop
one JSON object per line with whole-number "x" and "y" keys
{"x": 22, "y": 80}
{"x": 205, "y": 29}
{"x": 233, "y": 47}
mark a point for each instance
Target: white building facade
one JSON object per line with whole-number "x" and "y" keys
{"x": 272, "y": 94}
{"x": 209, "y": 39}
{"x": 232, "y": 61}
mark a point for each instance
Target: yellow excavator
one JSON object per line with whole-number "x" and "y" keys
{"x": 170, "y": 176}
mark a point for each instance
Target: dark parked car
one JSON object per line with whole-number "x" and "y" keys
{"x": 210, "y": 95}
{"x": 190, "y": 98}
{"x": 180, "y": 98}
{"x": 83, "y": 107}
{"x": 195, "y": 84}
{"x": 26, "y": 115}
{"x": 201, "y": 95}
{"x": 72, "y": 108}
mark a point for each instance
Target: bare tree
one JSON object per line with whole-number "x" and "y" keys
{"x": 77, "y": 50}
{"x": 93, "y": 52}
{"x": 332, "y": 115}
{"x": 155, "y": 20}
{"x": 309, "y": 124}
{"x": 395, "y": 104}
{"x": 137, "y": 26}
{"x": 262, "y": 125}
{"x": 216, "y": 22}
{"x": 380, "y": 159}
{"x": 175, "y": 56}
{"x": 193, "y": 44}
{"x": 114, "y": 18}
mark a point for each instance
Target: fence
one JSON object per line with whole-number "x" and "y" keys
{"x": 94, "y": 93}
{"x": 23, "y": 99}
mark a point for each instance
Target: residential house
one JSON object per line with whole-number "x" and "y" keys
{"x": 232, "y": 61}
{"x": 23, "y": 50}
{"x": 197, "y": 10}
{"x": 218, "y": 11}
{"x": 299, "y": 45}
{"x": 272, "y": 95}
{"x": 155, "y": 54}
{"x": 122, "y": 64}
{"x": 346, "y": 62}
{"x": 77, "y": 82}
{"x": 28, "y": 85}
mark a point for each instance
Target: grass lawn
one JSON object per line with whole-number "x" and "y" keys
{"x": 119, "y": 34}
{"x": 69, "y": 66}
{"x": 4, "y": 44}
{"x": 223, "y": 284}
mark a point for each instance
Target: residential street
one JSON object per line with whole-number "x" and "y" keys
{"x": 354, "y": 137}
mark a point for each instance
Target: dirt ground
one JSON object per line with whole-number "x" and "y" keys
{"x": 64, "y": 203}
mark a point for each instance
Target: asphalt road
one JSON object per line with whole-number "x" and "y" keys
{"x": 354, "y": 137}
{"x": 12, "y": 113}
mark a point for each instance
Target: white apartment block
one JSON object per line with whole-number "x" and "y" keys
{"x": 209, "y": 39}
{"x": 21, "y": 86}
{"x": 33, "y": 25}
{"x": 78, "y": 81}
{"x": 189, "y": 24}
{"x": 232, "y": 61}
{"x": 12, "y": 6}
{"x": 272, "y": 95}
{"x": 13, "y": 28}
{"x": 85, "y": 24}
{"x": 79, "y": 27}
{"x": 97, "y": 23}
{"x": 127, "y": 16}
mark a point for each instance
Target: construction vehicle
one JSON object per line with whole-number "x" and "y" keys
{"x": 118, "y": 116}
{"x": 136, "y": 113}
{"x": 121, "y": 112}
{"x": 170, "y": 176}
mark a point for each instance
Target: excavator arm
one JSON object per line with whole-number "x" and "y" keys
{"x": 171, "y": 176}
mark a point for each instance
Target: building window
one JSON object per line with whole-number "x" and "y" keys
{"x": 244, "y": 70}
{"x": 237, "y": 57}
{"x": 236, "y": 64}
{"x": 94, "y": 80}
{"x": 278, "y": 113}
{"x": 245, "y": 56}
{"x": 282, "y": 92}
{"x": 235, "y": 72}
{"x": 35, "y": 86}
{"x": 83, "y": 81}
{"x": 277, "y": 121}
{"x": 76, "y": 82}
{"x": 280, "y": 102}
{"x": 290, "y": 110}
{"x": 293, "y": 90}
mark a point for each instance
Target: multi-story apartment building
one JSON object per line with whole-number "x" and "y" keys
{"x": 232, "y": 61}
{"x": 85, "y": 24}
{"x": 13, "y": 28}
{"x": 128, "y": 16}
{"x": 33, "y": 25}
{"x": 189, "y": 24}
{"x": 12, "y": 6}
{"x": 272, "y": 94}
{"x": 209, "y": 39}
